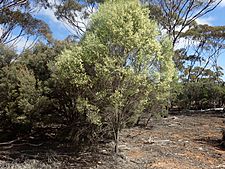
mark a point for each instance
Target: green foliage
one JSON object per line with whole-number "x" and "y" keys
{"x": 122, "y": 67}
{"x": 26, "y": 89}
{"x": 106, "y": 79}
{"x": 19, "y": 96}
{"x": 201, "y": 95}
{"x": 37, "y": 58}
{"x": 7, "y": 55}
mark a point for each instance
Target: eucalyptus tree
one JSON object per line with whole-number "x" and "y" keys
{"x": 17, "y": 22}
{"x": 176, "y": 16}
{"x": 195, "y": 44}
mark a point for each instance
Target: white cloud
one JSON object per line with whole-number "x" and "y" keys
{"x": 178, "y": 29}
{"x": 54, "y": 22}
{"x": 204, "y": 21}
{"x": 181, "y": 44}
{"x": 24, "y": 43}
{"x": 1, "y": 31}
{"x": 185, "y": 43}
{"x": 222, "y": 3}
{"x": 48, "y": 13}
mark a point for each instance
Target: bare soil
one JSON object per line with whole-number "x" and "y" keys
{"x": 180, "y": 141}
{"x": 177, "y": 142}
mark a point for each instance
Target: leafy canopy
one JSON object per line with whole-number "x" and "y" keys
{"x": 119, "y": 61}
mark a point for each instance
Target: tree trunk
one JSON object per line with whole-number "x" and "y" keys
{"x": 116, "y": 141}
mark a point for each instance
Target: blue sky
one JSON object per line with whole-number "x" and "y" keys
{"x": 61, "y": 30}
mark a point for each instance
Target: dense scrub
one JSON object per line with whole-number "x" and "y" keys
{"x": 90, "y": 89}
{"x": 82, "y": 92}
{"x": 200, "y": 95}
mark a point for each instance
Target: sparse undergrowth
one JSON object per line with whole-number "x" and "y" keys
{"x": 31, "y": 164}
{"x": 191, "y": 141}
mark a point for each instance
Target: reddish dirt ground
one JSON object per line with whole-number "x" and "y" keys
{"x": 177, "y": 142}
{"x": 190, "y": 141}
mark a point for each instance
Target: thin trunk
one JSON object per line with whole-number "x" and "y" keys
{"x": 116, "y": 141}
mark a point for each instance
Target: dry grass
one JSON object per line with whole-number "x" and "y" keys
{"x": 31, "y": 164}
